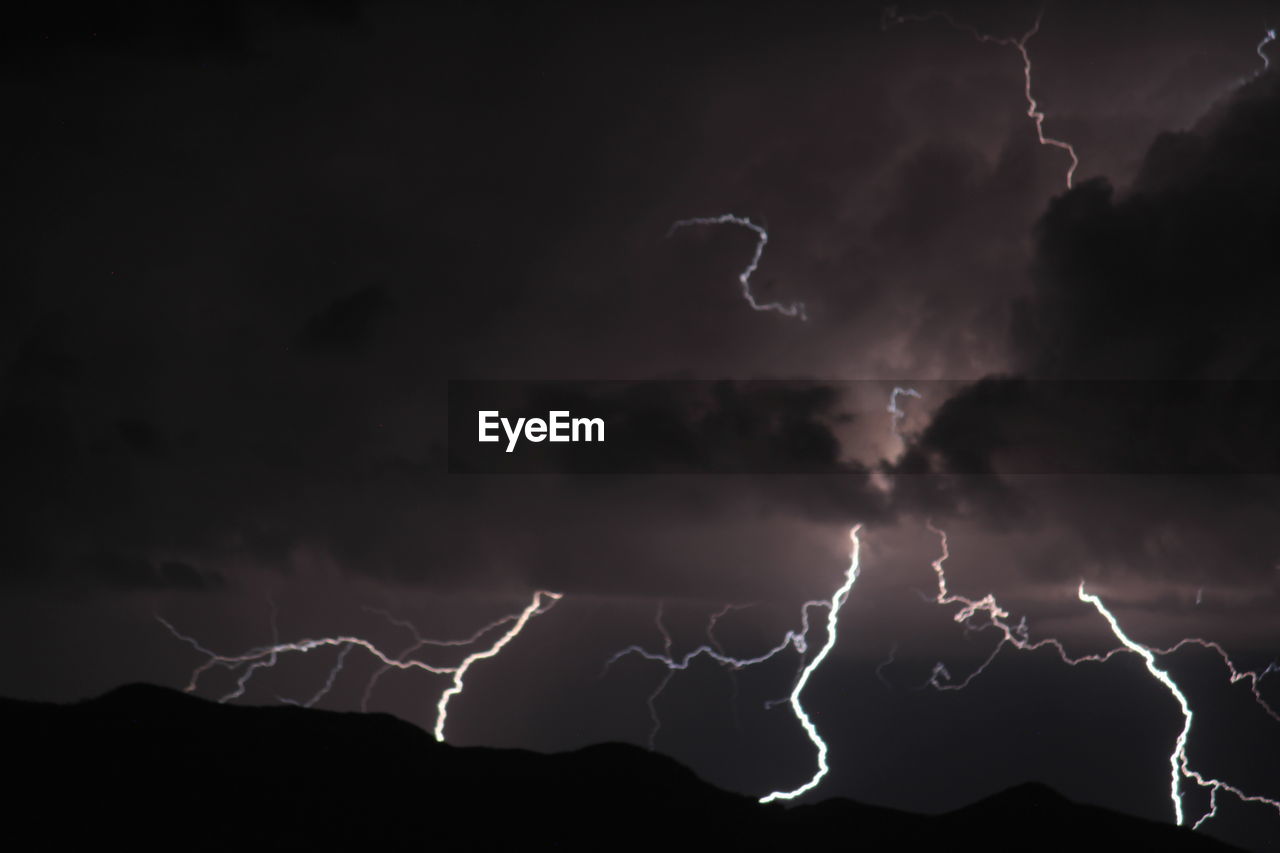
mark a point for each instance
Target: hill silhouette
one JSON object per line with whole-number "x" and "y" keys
{"x": 145, "y": 766}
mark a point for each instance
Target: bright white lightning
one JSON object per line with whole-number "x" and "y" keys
{"x": 1018, "y": 636}
{"x": 833, "y": 617}
{"x": 1179, "y": 764}
{"x": 264, "y": 657}
{"x": 535, "y": 607}
{"x": 795, "y": 309}
{"x": 890, "y": 17}
{"x": 798, "y": 640}
{"x": 1179, "y": 756}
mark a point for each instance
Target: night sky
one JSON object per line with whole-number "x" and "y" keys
{"x": 247, "y": 246}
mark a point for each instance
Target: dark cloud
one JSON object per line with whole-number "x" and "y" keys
{"x": 484, "y": 194}
{"x": 126, "y": 572}
{"x": 1146, "y": 360}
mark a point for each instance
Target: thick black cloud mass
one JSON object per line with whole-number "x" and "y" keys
{"x": 1145, "y": 357}
{"x": 1174, "y": 280}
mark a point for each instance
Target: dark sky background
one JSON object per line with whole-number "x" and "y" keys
{"x": 248, "y": 244}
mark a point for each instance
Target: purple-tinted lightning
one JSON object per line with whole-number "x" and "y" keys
{"x": 890, "y": 17}
{"x": 652, "y": 701}
{"x": 997, "y": 617}
{"x": 712, "y": 621}
{"x": 264, "y": 657}
{"x": 795, "y": 309}
{"x": 1018, "y": 637}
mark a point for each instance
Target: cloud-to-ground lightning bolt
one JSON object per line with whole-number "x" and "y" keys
{"x": 264, "y": 657}
{"x": 795, "y": 309}
{"x": 1018, "y": 637}
{"x": 1180, "y": 765}
{"x": 797, "y": 640}
{"x": 890, "y": 17}
{"x": 536, "y": 606}
{"x": 419, "y": 642}
{"x": 833, "y": 616}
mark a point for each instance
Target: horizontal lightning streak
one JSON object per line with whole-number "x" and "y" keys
{"x": 264, "y": 657}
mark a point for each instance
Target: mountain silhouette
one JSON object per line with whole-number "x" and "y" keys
{"x": 146, "y": 767}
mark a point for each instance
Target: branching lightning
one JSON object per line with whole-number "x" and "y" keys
{"x": 264, "y": 657}
{"x": 890, "y": 17}
{"x": 652, "y": 701}
{"x": 795, "y": 309}
{"x": 798, "y": 640}
{"x": 1180, "y": 765}
{"x": 1018, "y": 637}
{"x": 997, "y": 617}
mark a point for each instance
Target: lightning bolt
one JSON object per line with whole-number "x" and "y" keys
{"x": 890, "y": 17}
{"x": 652, "y": 701}
{"x": 1018, "y": 637}
{"x": 712, "y": 621}
{"x": 541, "y": 602}
{"x": 893, "y": 409}
{"x": 833, "y": 614}
{"x": 797, "y": 640}
{"x": 1180, "y": 765}
{"x": 1267, "y": 39}
{"x": 884, "y": 664}
{"x": 264, "y": 657}
{"x": 419, "y": 642}
{"x": 795, "y": 309}
{"x": 328, "y": 682}
{"x": 997, "y": 617}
